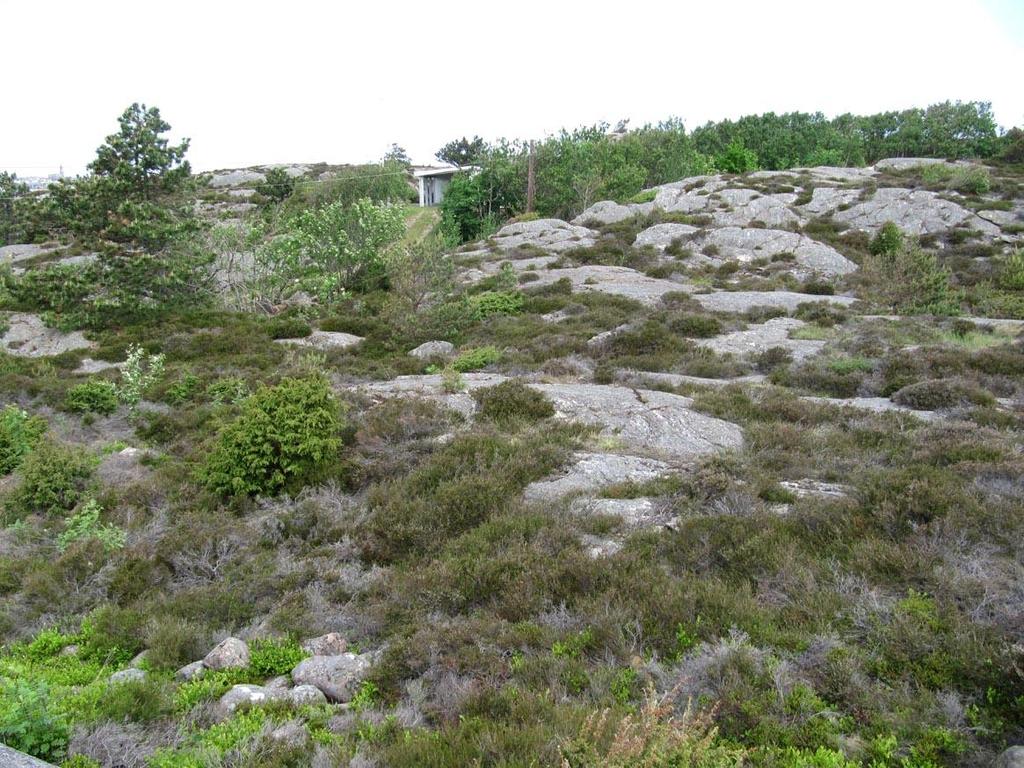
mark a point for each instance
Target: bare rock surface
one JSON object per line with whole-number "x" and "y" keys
{"x": 741, "y": 207}
{"x": 915, "y": 211}
{"x": 337, "y": 677}
{"x": 12, "y": 758}
{"x": 325, "y": 340}
{"x": 681, "y": 379}
{"x": 618, "y": 281}
{"x": 553, "y": 235}
{"x": 237, "y": 178}
{"x": 330, "y": 644}
{"x": 838, "y": 173}
{"x": 873, "y": 404}
{"x": 1011, "y": 757}
{"x": 610, "y": 212}
{"x": 12, "y": 254}
{"x": 89, "y": 366}
{"x": 661, "y": 236}
{"x": 28, "y": 336}
{"x": 636, "y": 514}
{"x": 591, "y": 471}
{"x": 825, "y": 200}
{"x": 815, "y": 488}
{"x": 431, "y": 349}
{"x": 906, "y": 163}
{"x": 741, "y": 301}
{"x": 643, "y": 422}
{"x": 130, "y": 675}
{"x": 757, "y": 338}
{"x": 746, "y": 244}
{"x": 248, "y": 695}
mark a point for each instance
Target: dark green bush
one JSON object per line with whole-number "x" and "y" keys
{"x": 818, "y": 288}
{"x": 695, "y": 326}
{"x": 283, "y": 436}
{"x": 288, "y": 327}
{"x": 19, "y": 432}
{"x": 934, "y": 394}
{"x": 475, "y": 359}
{"x": 491, "y": 303}
{"x": 95, "y": 396}
{"x": 888, "y": 240}
{"x": 512, "y": 401}
{"x": 53, "y": 477}
{"x": 270, "y": 658}
{"x": 28, "y": 722}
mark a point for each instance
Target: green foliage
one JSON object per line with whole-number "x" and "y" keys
{"x": 491, "y": 303}
{"x": 475, "y": 359}
{"x": 341, "y": 247}
{"x": 887, "y": 241}
{"x": 972, "y": 179}
{"x": 736, "y": 158}
{"x": 16, "y": 210}
{"x": 19, "y": 433}
{"x": 53, "y": 477}
{"x": 27, "y": 720}
{"x": 467, "y": 210}
{"x": 283, "y": 436}
{"x": 141, "y": 371}
{"x": 269, "y": 658}
{"x": 462, "y": 152}
{"x": 933, "y": 394}
{"x": 910, "y": 281}
{"x": 85, "y": 524}
{"x": 93, "y": 396}
{"x": 510, "y": 401}
{"x": 1011, "y": 271}
{"x": 278, "y": 185}
{"x": 367, "y": 696}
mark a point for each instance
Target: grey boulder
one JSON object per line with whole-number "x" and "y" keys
{"x": 610, "y": 212}
{"x": 1012, "y": 757}
{"x": 432, "y": 349}
{"x": 246, "y": 695}
{"x": 591, "y": 471}
{"x": 130, "y": 675}
{"x": 337, "y": 677}
{"x": 230, "y": 653}
{"x": 330, "y": 644}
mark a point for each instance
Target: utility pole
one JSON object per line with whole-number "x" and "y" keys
{"x": 531, "y": 178}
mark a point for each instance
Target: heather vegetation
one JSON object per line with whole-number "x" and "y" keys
{"x": 727, "y": 473}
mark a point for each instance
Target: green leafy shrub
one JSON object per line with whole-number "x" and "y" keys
{"x": 140, "y": 372}
{"x": 19, "y": 432}
{"x": 937, "y": 173}
{"x": 288, "y": 327}
{"x": 53, "y": 477}
{"x": 491, "y": 303}
{"x": 888, "y": 239}
{"x": 511, "y": 401}
{"x": 230, "y": 389}
{"x": 277, "y": 185}
{"x": 475, "y": 359}
{"x": 269, "y": 658}
{"x": 183, "y": 389}
{"x": 910, "y": 281}
{"x": 85, "y": 524}
{"x": 28, "y": 722}
{"x": 95, "y": 396}
{"x": 284, "y": 434}
{"x": 736, "y": 158}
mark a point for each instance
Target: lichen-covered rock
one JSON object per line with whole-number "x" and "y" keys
{"x": 431, "y": 349}
{"x": 552, "y": 235}
{"x": 741, "y": 301}
{"x": 330, "y": 644}
{"x": 303, "y": 695}
{"x": 758, "y": 338}
{"x": 618, "y": 281}
{"x": 130, "y": 675}
{"x": 744, "y": 244}
{"x": 741, "y": 207}
{"x": 12, "y": 758}
{"x": 337, "y": 677}
{"x": 661, "y": 236}
{"x": 28, "y": 336}
{"x": 325, "y": 340}
{"x": 191, "y": 671}
{"x": 610, "y": 212}
{"x": 230, "y": 653}
{"x": 236, "y": 178}
{"x": 248, "y": 695}
{"x": 592, "y": 471}
{"x": 636, "y": 514}
{"x": 914, "y": 211}
{"x": 1012, "y": 757}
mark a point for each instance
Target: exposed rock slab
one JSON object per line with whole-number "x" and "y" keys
{"x": 838, "y": 173}
{"x": 325, "y": 340}
{"x": 741, "y": 301}
{"x": 906, "y": 163}
{"x": 682, "y": 379}
{"x": 236, "y": 178}
{"x": 553, "y": 235}
{"x": 758, "y": 338}
{"x": 618, "y": 281}
{"x": 28, "y": 336}
{"x": 873, "y": 404}
{"x": 915, "y": 211}
{"x": 636, "y": 514}
{"x": 744, "y": 206}
{"x": 592, "y": 471}
{"x": 645, "y": 422}
{"x": 746, "y": 244}
{"x": 610, "y": 212}
{"x": 12, "y": 254}
{"x": 12, "y": 758}
{"x": 661, "y": 236}
{"x": 825, "y": 200}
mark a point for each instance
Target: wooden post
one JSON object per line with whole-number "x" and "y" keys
{"x": 531, "y": 178}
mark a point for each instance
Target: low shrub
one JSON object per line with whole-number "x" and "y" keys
{"x": 28, "y": 721}
{"x": 1011, "y": 271}
{"x": 95, "y": 396}
{"x": 818, "y": 288}
{"x": 491, "y": 303}
{"x": 270, "y": 657}
{"x": 512, "y": 401}
{"x": 53, "y": 477}
{"x": 820, "y": 313}
{"x": 475, "y": 359}
{"x": 85, "y": 524}
{"x": 972, "y": 179}
{"x": 19, "y": 433}
{"x": 888, "y": 240}
{"x": 695, "y": 326}
{"x": 935, "y": 394}
{"x": 288, "y": 327}
{"x": 283, "y": 436}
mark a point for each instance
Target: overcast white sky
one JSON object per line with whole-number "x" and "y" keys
{"x": 298, "y": 81}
